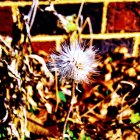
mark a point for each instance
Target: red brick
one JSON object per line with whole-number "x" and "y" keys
{"x": 123, "y": 16}
{"x": 45, "y": 46}
{"x": 6, "y": 21}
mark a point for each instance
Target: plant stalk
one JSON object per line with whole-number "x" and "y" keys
{"x": 70, "y": 108}
{"x": 56, "y": 89}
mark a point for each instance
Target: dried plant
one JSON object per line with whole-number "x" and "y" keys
{"x": 81, "y": 108}
{"x": 74, "y": 62}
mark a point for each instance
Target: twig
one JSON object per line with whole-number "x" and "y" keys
{"x": 123, "y": 99}
{"x": 91, "y": 109}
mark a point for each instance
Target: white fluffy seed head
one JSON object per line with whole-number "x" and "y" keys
{"x": 75, "y": 62}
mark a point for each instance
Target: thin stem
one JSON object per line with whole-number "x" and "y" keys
{"x": 80, "y": 10}
{"x": 70, "y": 108}
{"x": 32, "y": 12}
{"x": 56, "y": 89}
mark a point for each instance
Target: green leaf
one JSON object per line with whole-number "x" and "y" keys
{"x": 111, "y": 59}
{"x": 88, "y": 138}
{"x": 3, "y": 135}
{"x": 74, "y": 138}
{"x": 71, "y": 134}
{"x": 107, "y": 92}
{"x": 62, "y": 96}
{"x": 83, "y": 137}
{"x": 135, "y": 118}
{"x": 25, "y": 138}
{"x": 71, "y": 27}
{"x": 31, "y": 109}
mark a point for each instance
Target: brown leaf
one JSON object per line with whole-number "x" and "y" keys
{"x": 36, "y": 128}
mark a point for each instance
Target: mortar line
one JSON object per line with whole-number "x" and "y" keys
{"x": 104, "y": 17}
{"x": 93, "y": 36}
{"x": 136, "y": 45}
{"x": 24, "y": 3}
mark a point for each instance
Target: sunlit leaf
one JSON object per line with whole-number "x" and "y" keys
{"x": 70, "y": 133}
{"x": 83, "y": 137}
{"x": 71, "y": 27}
{"x": 111, "y": 59}
{"x": 74, "y": 138}
{"x": 88, "y": 138}
{"x": 135, "y": 118}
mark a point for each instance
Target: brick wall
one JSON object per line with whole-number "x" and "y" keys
{"x": 114, "y": 23}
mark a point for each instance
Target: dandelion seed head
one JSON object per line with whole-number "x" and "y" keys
{"x": 75, "y": 62}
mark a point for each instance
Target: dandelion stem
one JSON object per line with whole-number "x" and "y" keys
{"x": 70, "y": 108}
{"x": 56, "y": 89}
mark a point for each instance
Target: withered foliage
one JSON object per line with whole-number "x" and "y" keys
{"x": 30, "y": 93}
